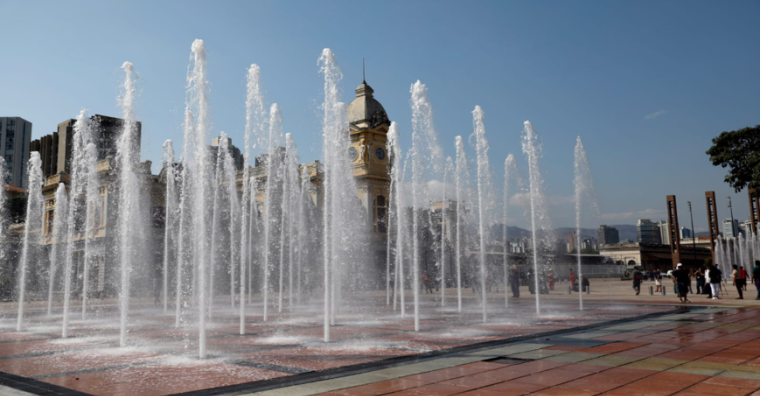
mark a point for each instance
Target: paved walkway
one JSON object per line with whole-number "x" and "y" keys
{"x": 706, "y": 351}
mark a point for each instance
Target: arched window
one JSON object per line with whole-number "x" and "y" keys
{"x": 381, "y": 214}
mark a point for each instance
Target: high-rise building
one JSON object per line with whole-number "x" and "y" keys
{"x": 55, "y": 149}
{"x": 728, "y": 230}
{"x": 572, "y": 242}
{"x": 648, "y": 232}
{"x": 607, "y": 235}
{"x": 664, "y": 232}
{"x": 685, "y": 233}
{"x": 15, "y": 133}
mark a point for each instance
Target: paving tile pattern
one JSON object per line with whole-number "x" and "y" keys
{"x": 162, "y": 360}
{"x": 710, "y": 351}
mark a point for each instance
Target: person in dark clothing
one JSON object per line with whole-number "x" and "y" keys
{"x": 637, "y": 278}
{"x": 739, "y": 281}
{"x": 585, "y": 284}
{"x": 531, "y": 282}
{"x": 682, "y": 281}
{"x": 715, "y": 278}
{"x": 700, "y": 280}
{"x": 514, "y": 282}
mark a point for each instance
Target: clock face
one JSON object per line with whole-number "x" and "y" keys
{"x": 352, "y": 153}
{"x": 380, "y": 153}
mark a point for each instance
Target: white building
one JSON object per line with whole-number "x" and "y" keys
{"x": 15, "y": 135}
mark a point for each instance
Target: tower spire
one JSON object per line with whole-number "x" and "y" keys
{"x": 364, "y": 78}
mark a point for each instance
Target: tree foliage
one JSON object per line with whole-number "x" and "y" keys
{"x": 739, "y": 151}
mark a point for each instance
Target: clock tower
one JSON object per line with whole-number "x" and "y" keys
{"x": 369, "y": 159}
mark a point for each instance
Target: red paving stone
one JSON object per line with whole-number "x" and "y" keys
{"x": 293, "y": 343}
{"x": 549, "y": 378}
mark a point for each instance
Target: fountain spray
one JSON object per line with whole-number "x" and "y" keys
{"x": 584, "y": 186}
{"x": 171, "y": 217}
{"x": 32, "y": 230}
{"x": 447, "y": 170}
{"x": 484, "y": 197}
{"x": 462, "y": 175}
{"x": 424, "y": 143}
{"x": 255, "y": 116}
{"x": 532, "y": 150}
{"x": 58, "y": 234}
{"x": 509, "y": 167}
{"x": 129, "y": 195}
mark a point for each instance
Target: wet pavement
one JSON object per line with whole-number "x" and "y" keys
{"x": 286, "y": 355}
{"x": 704, "y": 351}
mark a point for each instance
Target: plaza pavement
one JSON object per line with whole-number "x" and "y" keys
{"x": 620, "y": 343}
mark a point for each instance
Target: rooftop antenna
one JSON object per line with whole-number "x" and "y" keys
{"x": 364, "y": 78}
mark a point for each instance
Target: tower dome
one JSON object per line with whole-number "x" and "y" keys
{"x": 365, "y": 111}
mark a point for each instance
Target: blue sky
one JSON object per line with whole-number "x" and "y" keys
{"x": 645, "y": 84}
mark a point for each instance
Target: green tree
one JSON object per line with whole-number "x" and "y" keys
{"x": 739, "y": 151}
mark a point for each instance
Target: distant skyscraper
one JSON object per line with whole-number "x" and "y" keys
{"x": 648, "y": 232}
{"x": 16, "y": 133}
{"x": 685, "y": 233}
{"x": 664, "y": 232}
{"x": 728, "y": 231}
{"x": 607, "y": 235}
{"x": 572, "y": 242}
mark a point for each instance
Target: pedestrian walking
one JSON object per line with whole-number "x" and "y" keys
{"x": 715, "y": 278}
{"x": 700, "y": 276}
{"x": 681, "y": 282}
{"x": 551, "y": 279}
{"x": 657, "y": 280}
{"x": 572, "y": 279}
{"x": 739, "y": 281}
{"x": 514, "y": 282}
{"x": 637, "y": 277}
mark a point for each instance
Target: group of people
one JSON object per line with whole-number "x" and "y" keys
{"x": 709, "y": 279}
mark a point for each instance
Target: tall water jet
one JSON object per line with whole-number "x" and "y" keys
{"x": 93, "y": 217}
{"x": 340, "y": 234}
{"x": 273, "y": 165}
{"x": 58, "y": 234}
{"x": 424, "y": 143}
{"x": 128, "y": 195}
{"x": 233, "y": 215}
{"x": 291, "y": 203}
{"x": 484, "y": 199}
{"x": 198, "y": 97}
{"x": 170, "y": 227}
{"x": 216, "y": 213}
{"x": 461, "y": 182}
{"x": 254, "y": 124}
{"x": 397, "y": 206}
{"x": 392, "y": 212}
{"x": 304, "y": 221}
{"x": 447, "y": 171}
{"x": 184, "y": 228}
{"x": 510, "y": 168}
{"x": 30, "y": 247}
{"x": 81, "y": 168}
{"x": 532, "y": 149}
{"x": 584, "y": 188}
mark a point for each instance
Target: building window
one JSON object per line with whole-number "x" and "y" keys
{"x": 381, "y": 211}
{"x": 11, "y": 122}
{"x": 49, "y": 222}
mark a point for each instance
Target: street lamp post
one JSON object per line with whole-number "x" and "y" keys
{"x": 734, "y": 231}
{"x": 693, "y": 235}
